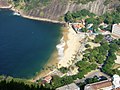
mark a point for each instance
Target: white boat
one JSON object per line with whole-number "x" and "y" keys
{"x": 16, "y": 13}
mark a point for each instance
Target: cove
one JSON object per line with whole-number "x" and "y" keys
{"x": 25, "y": 45}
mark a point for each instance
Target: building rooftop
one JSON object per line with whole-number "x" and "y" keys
{"x": 71, "y": 86}
{"x": 116, "y": 29}
{"x": 113, "y": 84}
{"x": 48, "y": 78}
{"x": 98, "y": 85}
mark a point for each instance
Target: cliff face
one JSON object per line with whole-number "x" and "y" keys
{"x": 4, "y": 4}
{"x": 58, "y": 8}
{"x": 54, "y": 9}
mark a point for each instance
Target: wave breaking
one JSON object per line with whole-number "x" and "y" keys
{"x": 60, "y": 48}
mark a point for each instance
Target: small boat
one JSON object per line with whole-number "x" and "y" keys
{"x": 16, "y": 13}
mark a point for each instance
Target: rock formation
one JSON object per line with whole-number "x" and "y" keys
{"x": 58, "y": 8}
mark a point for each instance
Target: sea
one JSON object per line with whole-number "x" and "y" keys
{"x": 25, "y": 45}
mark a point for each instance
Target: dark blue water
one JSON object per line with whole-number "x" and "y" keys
{"x": 25, "y": 45}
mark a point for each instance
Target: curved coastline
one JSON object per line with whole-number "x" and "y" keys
{"x": 31, "y": 17}
{"x": 39, "y": 19}
{"x": 35, "y": 18}
{"x": 64, "y": 47}
{"x": 57, "y": 55}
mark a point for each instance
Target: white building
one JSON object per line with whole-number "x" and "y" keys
{"x": 116, "y": 81}
{"x": 113, "y": 84}
{"x": 71, "y": 86}
{"x": 116, "y": 29}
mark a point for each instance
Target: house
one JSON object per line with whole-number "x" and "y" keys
{"x": 113, "y": 84}
{"x": 103, "y": 85}
{"x": 104, "y": 25}
{"x": 48, "y": 79}
{"x": 71, "y": 86}
{"x": 116, "y": 30}
{"x": 89, "y": 26}
{"x": 77, "y": 26}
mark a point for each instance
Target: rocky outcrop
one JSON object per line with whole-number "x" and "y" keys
{"x": 58, "y": 8}
{"x": 4, "y": 4}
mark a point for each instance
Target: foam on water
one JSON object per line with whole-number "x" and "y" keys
{"x": 15, "y": 13}
{"x": 60, "y": 48}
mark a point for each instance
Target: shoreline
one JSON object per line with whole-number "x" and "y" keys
{"x": 53, "y": 61}
{"x": 70, "y": 47}
{"x": 35, "y": 18}
{"x": 6, "y": 7}
{"x": 10, "y": 7}
{"x": 41, "y": 19}
{"x": 41, "y": 73}
{"x": 48, "y": 67}
{"x": 73, "y": 46}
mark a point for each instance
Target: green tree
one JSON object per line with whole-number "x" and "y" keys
{"x": 84, "y": 30}
{"x": 98, "y": 38}
{"x": 87, "y": 45}
{"x": 82, "y": 64}
{"x": 63, "y": 69}
{"x": 118, "y": 9}
{"x": 114, "y": 47}
{"x": 100, "y": 59}
{"x": 92, "y": 80}
{"x": 68, "y": 17}
{"x": 93, "y": 66}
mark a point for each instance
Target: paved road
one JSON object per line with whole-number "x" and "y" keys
{"x": 92, "y": 74}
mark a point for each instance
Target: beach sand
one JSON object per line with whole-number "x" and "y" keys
{"x": 73, "y": 46}
{"x": 65, "y": 37}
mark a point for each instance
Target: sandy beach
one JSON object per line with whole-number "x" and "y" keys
{"x": 73, "y": 46}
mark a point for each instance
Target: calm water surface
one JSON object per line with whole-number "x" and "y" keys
{"x": 25, "y": 45}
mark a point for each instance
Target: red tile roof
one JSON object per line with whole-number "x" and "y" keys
{"x": 99, "y": 85}
{"x": 48, "y": 78}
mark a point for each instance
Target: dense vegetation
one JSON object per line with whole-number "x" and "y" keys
{"x": 9, "y": 83}
{"x": 108, "y": 66}
{"x": 84, "y": 68}
{"x": 30, "y": 4}
{"x": 83, "y": 1}
{"x": 107, "y": 2}
{"x": 73, "y": 17}
{"x": 101, "y": 57}
{"x": 12, "y": 85}
{"x": 63, "y": 69}
{"x": 90, "y": 18}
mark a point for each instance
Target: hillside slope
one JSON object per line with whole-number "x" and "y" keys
{"x": 55, "y": 9}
